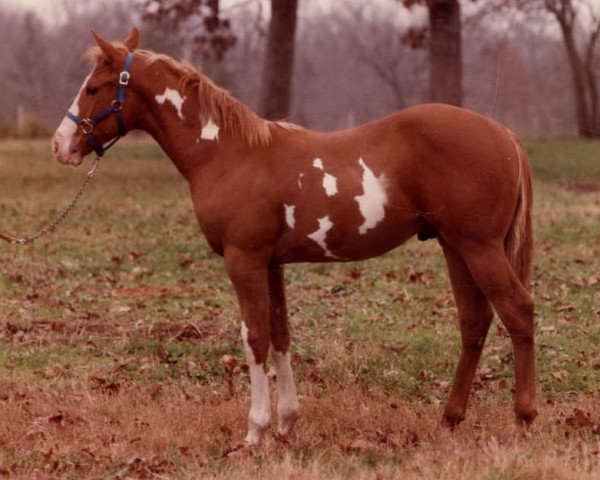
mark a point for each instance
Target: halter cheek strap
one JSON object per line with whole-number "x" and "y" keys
{"x": 116, "y": 107}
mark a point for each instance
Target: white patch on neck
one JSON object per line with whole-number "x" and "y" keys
{"x": 300, "y": 180}
{"x": 289, "y": 215}
{"x": 372, "y": 202}
{"x": 318, "y": 163}
{"x": 330, "y": 185}
{"x": 320, "y": 235}
{"x": 210, "y": 131}
{"x": 174, "y": 97}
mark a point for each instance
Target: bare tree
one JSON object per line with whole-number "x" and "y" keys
{"x": 445, "y": 48}
{"x": 276, "y": 91}
{"x": 371, "y": 36}
{"x": 579, "y": 23}
{"x": 212, "y": 34}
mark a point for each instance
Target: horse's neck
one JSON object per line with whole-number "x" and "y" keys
{"x": 174, "y": 121}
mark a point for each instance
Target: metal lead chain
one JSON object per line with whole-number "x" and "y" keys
{"x": 59, "y": 218}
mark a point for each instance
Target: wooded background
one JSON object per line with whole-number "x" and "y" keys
{"x": 326, "y": 64}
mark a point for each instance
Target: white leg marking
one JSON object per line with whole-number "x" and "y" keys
{"x": 318, "y": 163}
{"x": 287, "y": 399}
{"x": 320, "y": 235}
{"x": 330, "y": 185}
{"x": 289, "y": 215}
{"x": 372, "y": 202}
{"x": 259, "y": 417}
{"x": 174, "y": 97}
{"x": 210, "y": 131}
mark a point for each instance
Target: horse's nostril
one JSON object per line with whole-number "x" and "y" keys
{"x": 55, "y": 146}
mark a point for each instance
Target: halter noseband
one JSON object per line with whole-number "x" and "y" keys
{"x": 116, "y": 107}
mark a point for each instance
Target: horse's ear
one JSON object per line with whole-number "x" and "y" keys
{"x": 105, "y": 46}
{"x": 133, "y": 39}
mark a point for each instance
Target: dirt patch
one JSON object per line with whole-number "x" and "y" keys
{"x": 583, "y": 186}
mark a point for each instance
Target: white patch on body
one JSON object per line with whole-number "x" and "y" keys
{"x": 174, "y": 97}
{"x": 373, "y": 200}
{"x": 287, "y": 399}
{"x": 320, "y": 235}
{"x": 300, "y": 180}
{"x": 289, "y": 215}
{"x": 259, "y": 417}
{"x": 330, "y": 184}
{"x": 210, "y": 131}
{"x": 318, "y": 163}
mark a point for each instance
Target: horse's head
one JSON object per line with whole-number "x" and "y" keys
{"x": 103, "y": 109}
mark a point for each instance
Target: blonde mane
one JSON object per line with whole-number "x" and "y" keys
{"x": 215, "y": 102}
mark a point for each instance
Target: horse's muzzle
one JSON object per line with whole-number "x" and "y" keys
{"x": 64, "y": 154}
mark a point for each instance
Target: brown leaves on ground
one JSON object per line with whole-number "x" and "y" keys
{"x": 176, "y": 434}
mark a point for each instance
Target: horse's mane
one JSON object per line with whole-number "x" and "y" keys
{"x": 215, "y": 102}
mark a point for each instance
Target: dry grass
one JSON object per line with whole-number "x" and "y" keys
{"x": 111, "y": 333}
{"x": 78, "y": 430}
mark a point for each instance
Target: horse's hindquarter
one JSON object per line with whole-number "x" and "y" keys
{"x": 466, "y": 171}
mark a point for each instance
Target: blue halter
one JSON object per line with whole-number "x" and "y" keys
{"x": 116, "y": 107}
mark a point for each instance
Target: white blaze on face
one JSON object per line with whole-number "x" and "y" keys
{"x": 320, "y": 235}
{"x": 259, "y": 417}
{"x": 289, "y": 215}
{"x": 174, "y": 97}
{"x": 62, "y": 138}
{"x": 373, "y": 200}
{"x": 210, "y": 131}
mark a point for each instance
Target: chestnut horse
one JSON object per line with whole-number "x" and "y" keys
{"x": 270, "y": 193}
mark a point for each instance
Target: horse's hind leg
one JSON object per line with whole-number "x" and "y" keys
{"x": 287, "y": 400}
{"x": 496, "y": 278}
{"x": 475, "y": 315}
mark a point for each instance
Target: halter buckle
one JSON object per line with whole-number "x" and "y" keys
{"x": 86, "y": 126}
{"x": 124, "y": 78}
{"x": 116, "y": 106}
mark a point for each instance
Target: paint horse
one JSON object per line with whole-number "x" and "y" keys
{"x": 266, "y": 194}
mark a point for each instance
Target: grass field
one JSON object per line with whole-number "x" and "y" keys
{"x": 112, "y": 330}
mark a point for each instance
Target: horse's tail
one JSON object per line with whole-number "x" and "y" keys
{"x": 519, "y": 240}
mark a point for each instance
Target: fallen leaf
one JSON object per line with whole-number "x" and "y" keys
{"x": 579, "y": 419}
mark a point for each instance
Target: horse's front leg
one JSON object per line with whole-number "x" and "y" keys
{"x": 287, "y": 400}
{"x": 248, "y": 271}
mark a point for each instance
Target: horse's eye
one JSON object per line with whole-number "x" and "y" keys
{"x": 91, "y": 90}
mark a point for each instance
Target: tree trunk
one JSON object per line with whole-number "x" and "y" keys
{"x": 214, "y": 7}
{"x": 445, "y": 52}
{"x": 279, "y": 60}
{"x": 584, "y": 127}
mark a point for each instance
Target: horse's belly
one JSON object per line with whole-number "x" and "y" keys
{"x": 341, "y": 238}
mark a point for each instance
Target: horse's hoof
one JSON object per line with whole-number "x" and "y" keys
{"x": 452, "y": 420}
{"x": 286, "y": 424}
{"x": 526, "y": 417}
